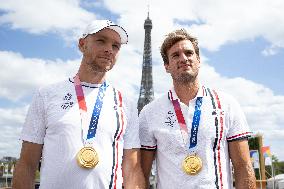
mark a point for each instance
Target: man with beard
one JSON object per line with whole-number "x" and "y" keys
{"x": 193, "y": 131}
{"x": 85, "y": 130}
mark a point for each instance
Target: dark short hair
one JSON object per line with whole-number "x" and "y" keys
{"x": 174, "y": 37}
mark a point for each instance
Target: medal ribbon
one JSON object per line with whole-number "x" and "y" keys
{"x": 83, "y": 108}
{"x": 182, "y": 123}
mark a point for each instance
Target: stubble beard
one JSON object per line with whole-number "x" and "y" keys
{"x": 185, "y": 78}
{"x": 95, "y": 67}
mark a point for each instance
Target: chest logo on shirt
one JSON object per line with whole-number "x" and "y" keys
{"x": 170, "y": 119}
{"x": 67, "y": 101}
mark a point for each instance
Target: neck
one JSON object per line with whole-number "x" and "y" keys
{"x": 86, "y": 74}
{"x": 186, "y": 91}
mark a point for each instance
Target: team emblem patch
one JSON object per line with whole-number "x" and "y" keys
{"x": 67, "y": 101}
{"x": 170, "y": 119}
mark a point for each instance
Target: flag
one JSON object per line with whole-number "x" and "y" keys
{"x": 266, "y": 151}
{"x": 254, "y": 157}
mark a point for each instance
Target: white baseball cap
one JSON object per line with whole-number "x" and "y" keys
{"x": 98, "y": 25}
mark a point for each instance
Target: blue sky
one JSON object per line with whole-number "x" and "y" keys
{"x": 243, "y": 59}
{"x": 241, "y": 51}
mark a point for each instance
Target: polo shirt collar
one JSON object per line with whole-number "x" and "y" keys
{"x": 173, "y": 96}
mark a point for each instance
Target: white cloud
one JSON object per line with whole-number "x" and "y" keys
{"x": 11, "y": 120}
{"x": 215, "y": 23}
{"x": 39, "y": 16}
{"x": 277, "y": 134}
{"x": 263, "y": 109}
{"x": 270, "y": 51}
{"x": 10, "y": 116}
{"x": 126, "y": 74}
{"x": 19, "y": 75}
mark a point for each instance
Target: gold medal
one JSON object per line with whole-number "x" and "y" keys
{"x": 87, "y": 157}
{"x": 191, "y": 165}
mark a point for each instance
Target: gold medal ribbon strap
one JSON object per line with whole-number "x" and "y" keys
{"x": 182, "y": 123}
{"x": 83, "y": 108}
{"x": 192, "y": 164}
{"x": 87, "y": 157}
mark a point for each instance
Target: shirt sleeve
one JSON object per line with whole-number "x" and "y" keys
{"x": 148, "y": 141}
{"x": 131, "y": 136}
{"x": 34, "y": 127}
{"x": 238, "y": 126}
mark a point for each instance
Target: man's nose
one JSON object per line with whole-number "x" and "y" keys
{"x": 108, "y": 48}
{"x": 184, "y": 58}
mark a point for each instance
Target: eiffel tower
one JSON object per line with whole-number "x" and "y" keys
{"x": 146, "y": 88}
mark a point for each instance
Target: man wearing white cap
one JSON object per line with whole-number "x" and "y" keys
{"x": 85, "y": 131}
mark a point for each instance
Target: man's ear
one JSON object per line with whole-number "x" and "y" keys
{"x": 81, "y": 44}
{"x": 166, "y": 67}
{"x": 198, "y": 58}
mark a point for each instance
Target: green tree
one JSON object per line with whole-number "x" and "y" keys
{"x": 253, "y": 143}
{"x": 278, "y": 166}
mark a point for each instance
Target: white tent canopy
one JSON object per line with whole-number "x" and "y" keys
{"x": 279, "y": 182}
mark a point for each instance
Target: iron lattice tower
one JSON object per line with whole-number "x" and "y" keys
{"x": 146, "y": 88}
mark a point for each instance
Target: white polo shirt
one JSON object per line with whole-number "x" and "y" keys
{"x": 160, "y": 131}
{"x": 54, "y": 120}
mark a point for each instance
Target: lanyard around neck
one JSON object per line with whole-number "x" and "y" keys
{"x": 83, "y": 109}
{"x": 182, "y": 123}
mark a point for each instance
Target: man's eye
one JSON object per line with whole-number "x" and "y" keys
{"x": 117, "y": 47}
{"x": 100, "y": 40}
{"x": 175, "y": 56}
{"x": 189, "y": 53}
